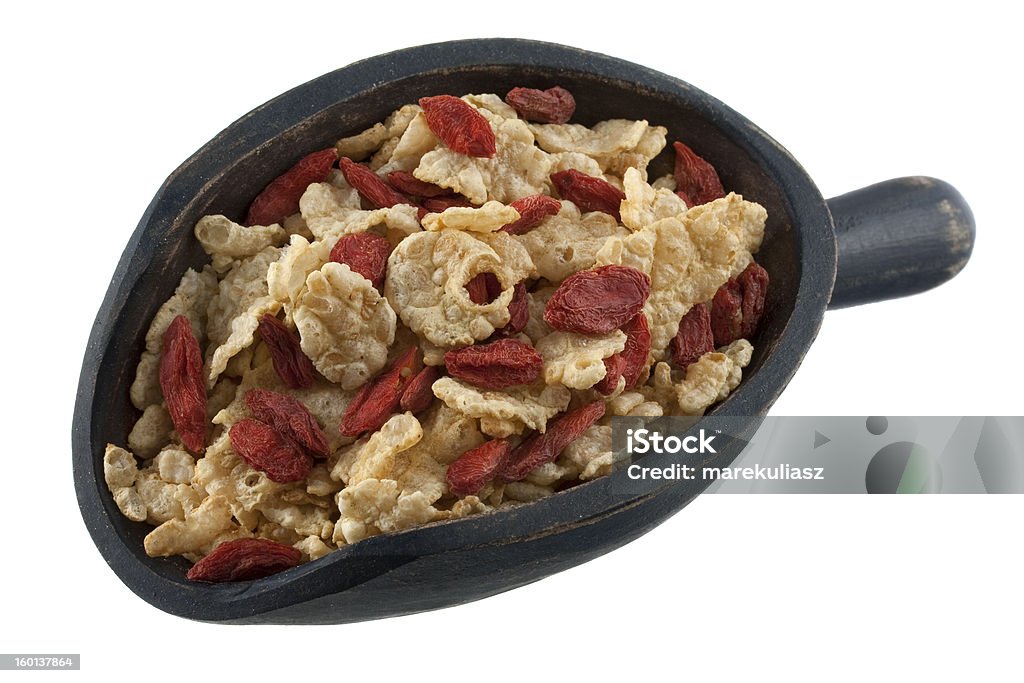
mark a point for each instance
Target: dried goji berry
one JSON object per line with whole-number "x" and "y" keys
{"x": 477, "y": 466}
{"x": 695, "y": 177}
{"x": 628, "y": 363}
{"x": 694, "y": 337}
{"x": 365, "y": 253}
{"x": 439, "y": 204}
{"x": 370, "y": 186}
{"x": 754, "y": 281}
{"x": 518, "y": 312}
{"x": 182, "y": 383}
{"x": 270, "y": 451}
{"x": 587, "y": 192}
{"x": 379, "y": 398}
{"x": 637, "y": 349}
{"x": 541, "y": 449}
{"x": 244, "y": 559}
{"x": 418, "y": 395}
{"x": 597, "y": 301}
{"x": 280, "y": 198}
{"x": 291, "y": 364}
{"x": 406, "y": 182}
{"x": 554, "y": 105}
{"x": 532, "y": 212}
{"x": 483, "y": 288}
{"x": 686, "y": 199}
{"x": 288, "y": 416}
{"x": 727, "y": 313}
{"x": 738, "y": 305}
{"x": 459, "y": 125}
{"x": 495, "y": 365}
{"x": 614, "y": 366}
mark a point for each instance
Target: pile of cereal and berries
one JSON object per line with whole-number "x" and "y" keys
{"x": 434, "y": 319}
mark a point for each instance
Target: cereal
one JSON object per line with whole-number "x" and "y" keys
{"x": 199, "y": 528}
{"x": 592, "y": 452}
{"x": 602, "y": 143}
{"x": 359, "y": 147}
{"x": 713, "y": 377}
{"x": 226, "y": 241}
{"x": 427, "y": 274}
{"x": 330, "y": 213}
{"x": 286, "y": 277}
{"x": 374, "y": 506}
{"x": 234, "y": 312}
{"x": 345, "y": 325}
{"x": 504, "y": 412}
{"x": 120, "y": 472}
{"x": 175, "y": 466}
{"x": 376, "y": 458}
{"x": 576, "y": 361}
{"x": 487, "y": 218}
{"x": 644, "y": 204}
{"x": 151, "y": 432}
{"x": 568, "y": 242}
{"x": 517, "y": 169}
{"x": 435, "y": 318}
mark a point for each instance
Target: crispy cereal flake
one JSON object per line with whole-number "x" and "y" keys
{"x": 427, "y": 276}
{"x": 344, "y": 324}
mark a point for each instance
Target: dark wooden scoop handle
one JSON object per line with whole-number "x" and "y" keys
{"x": 897, "y": 238}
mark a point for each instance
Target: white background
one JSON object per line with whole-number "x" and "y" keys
{"x": 101, "y": 103}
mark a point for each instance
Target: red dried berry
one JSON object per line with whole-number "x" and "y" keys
{"x": 754, "y": 281}
{"x": 483, "y": 288}
{"x": 244, "y": 559}
{"x": 694, "y": 337}
{"x": 614, "y": 367}
{"x": 418, "y": 394}
{"x": 630, "y": 362}
{"x": 495, "y": 365}
{"x": 439, "y": 204}
{"x": 370, "y": 186}
{"x": 597, "y": 301}
{"x": 269, "y": 451}
{"x": 588, "y": 193}
{"x": 637, "y": 350}
{"x": 280, "y": 198}
{"x": 379, "y": 398}
{"x": 686, "y": 198}
{"x": 541, "y": 449}
{"x": 365, "y": 253}
{"x": 518, "y": 312}
{"x": 406, "y": 182}
{"x": 695, "y": 177}
{"x": 554, "y": 105}
{"x": 477, "y": 466}
{"x": 289, "y": 417}
{"x": 459, "y": 125}
{"x": 182, "y": 383}
{"x": 738, "y": 305}
{"x": 291, "y": 364}
{"x": 727, "y": 313}
{"x": 532, "y": 212}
